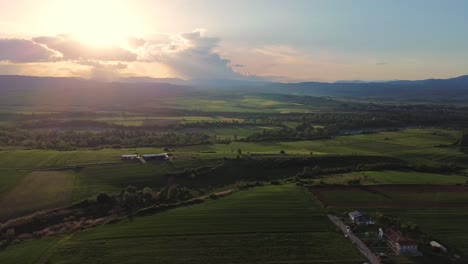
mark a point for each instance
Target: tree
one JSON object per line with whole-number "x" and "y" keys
{"x": 103, "y": 198}
{"x": 464, "y": 140}
{"x": 10, "y": 233}
{"x": 130, "y": 189}
{"x": 239, "y": 151}
{"x": 148, "y": 194}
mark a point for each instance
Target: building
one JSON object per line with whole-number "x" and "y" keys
{"x": 438, "y": 247}
{"x": 400, "y": 244}
{"x": 155, "y": 157}
{"x": 130, "y": 157}
{"x": 360, "y": 219}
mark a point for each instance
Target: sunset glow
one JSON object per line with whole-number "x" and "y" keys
{"x": 102, "y": 22}
{"x": 313, "y": 40}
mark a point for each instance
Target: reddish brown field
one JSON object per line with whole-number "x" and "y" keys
{"x": 393, "y": 196}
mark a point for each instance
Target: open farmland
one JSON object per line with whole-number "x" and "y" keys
{"x": 28, "y": 191}
{"x": 93, "y": 180}
{"x": 405, "y": 144}
{"x": 274, "y": 223}
{"x": 38, "y": 190}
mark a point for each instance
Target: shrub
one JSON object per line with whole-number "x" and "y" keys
{"x": 214, "y": 196}
{"x": 103, "y": 198}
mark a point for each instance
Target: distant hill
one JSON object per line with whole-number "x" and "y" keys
{"x": 436, "y": 89}
{"x": 75, "y": 92}
{"x": 22, "y": 89}
{"x": 175, "y": 81}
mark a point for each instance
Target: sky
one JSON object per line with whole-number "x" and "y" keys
{"x": 274, "y": 40}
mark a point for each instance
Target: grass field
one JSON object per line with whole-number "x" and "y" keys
{"x": 9, "y": 178}
{"x": 280, "y": 224}
{"x": 23, "y": 192}
{"x": 38, "y": 190}
{"x": 93, "y": 180}
{"x": 396, "y": 177}
{"x": 411, "y": 145}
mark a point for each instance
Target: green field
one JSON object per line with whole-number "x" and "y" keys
{"x": 93, "y": 180}
{"x": 411, "y": 145}
{"x": 281, "y": 224}
{"x": 36, "y": 191}
{"x": 23, "y": 191}
{"x": 104, "y": 172}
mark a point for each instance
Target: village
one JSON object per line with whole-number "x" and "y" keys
{"x": 377, "y": 243}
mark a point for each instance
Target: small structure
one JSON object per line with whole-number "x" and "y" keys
{"x": 361, "y": 219}
{"x": 400, "y": 244}
{"x": 156, "y": 157}
{"x": 381, "y": 233}
{"x": 438, "y": 247}
{"x": 130, "y": 157}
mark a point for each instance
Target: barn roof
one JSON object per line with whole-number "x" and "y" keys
{"x": 154, "y": 155}
{"x": 355, "y": 214}
{"x": 397, "y": 237}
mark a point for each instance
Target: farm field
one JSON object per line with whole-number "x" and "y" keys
{"x": 93, "y": 180}
{"x": 406, "y": 144}
{"x": 396, "y": 177}
{"x": 9, "y": 178}
{"x": 103, "y": 171}
{"x": 393, "y": 196}
{"x": 36, "y": 191}
{"x": 273, "y": 223}
{"x": 25, "y": 192}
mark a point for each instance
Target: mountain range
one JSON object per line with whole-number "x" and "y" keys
{"x": 453, "y": 89}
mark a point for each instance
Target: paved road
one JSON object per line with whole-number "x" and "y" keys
{"x": 356, "y": 241}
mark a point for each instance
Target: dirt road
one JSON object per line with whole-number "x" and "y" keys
{"x": 355, "y": 240}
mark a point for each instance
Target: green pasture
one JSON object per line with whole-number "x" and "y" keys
{"x": 415, "y": 145}
{"x": 93, "y": 180}
{"x": 38, "y": 190}
{"x": 281, "y": 224}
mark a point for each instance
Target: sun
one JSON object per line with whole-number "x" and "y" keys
{"x": 97, "y": 22}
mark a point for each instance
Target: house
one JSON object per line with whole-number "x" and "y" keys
{"x": 400, "y": 244}
{"x": 130, "y": 157}
{"x": 361, "y": 219}
{"x": 155, "y": 157}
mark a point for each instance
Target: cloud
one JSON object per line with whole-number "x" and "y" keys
{"x": 381, "y": 63}
{"x": 135, "y": 43}
{"x": 24, "y": 51}
{"x": 73, "y": 49}
{"x": 104, "y": 71}
{"x": 192, "y": 55}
